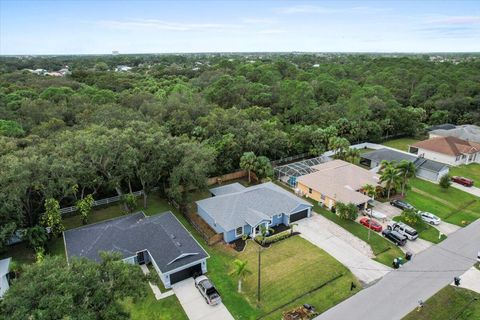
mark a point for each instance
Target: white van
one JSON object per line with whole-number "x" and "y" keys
{"x": 403, "y": 229}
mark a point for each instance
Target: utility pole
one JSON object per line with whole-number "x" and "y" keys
{"x": 259, "y": 272}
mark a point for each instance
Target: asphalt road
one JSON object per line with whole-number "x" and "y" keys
{"x": 399, "y": 291}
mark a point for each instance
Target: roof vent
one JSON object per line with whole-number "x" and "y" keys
{"x": 178, "y": 244}
{"x": 172, "y": 236}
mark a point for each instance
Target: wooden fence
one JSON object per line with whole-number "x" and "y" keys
{"x": 100, "y": 202}
{"x": 230, "y": 176}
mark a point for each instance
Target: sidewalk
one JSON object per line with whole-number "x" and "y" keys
{"x": 156, "y": 290}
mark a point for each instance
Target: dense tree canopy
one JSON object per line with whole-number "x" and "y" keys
{"x": 175, "y": 119}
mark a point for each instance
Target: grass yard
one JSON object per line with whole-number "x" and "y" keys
{"x": 291, "y": 268}
{"x": 449, "y": 303}
{"x": 400, "y": 144}
{"x": 384, "y": 250}
{"x": 452, "y": 205}
{"x": 471, "y": 171}
{"x": 425, "y": 231}
{"x": 150, "y": 308}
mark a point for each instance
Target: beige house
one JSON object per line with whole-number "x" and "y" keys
{"x": 337, "y": 180}
{"x": 449, "y": 150}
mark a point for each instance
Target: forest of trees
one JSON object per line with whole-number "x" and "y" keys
{"x": 173, "y": 120}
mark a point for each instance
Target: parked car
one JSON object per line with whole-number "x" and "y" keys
{"x": 369, "y": 223}
{"x": 401, "y": 204}
{"x": 403, "y": 229}
{"x": 208, "y": 291}
{"x": 429, "y": 217}
{"x": 373, "y": 213}
{"x": 395, "y": 237}
{"x": 463, "y": 181}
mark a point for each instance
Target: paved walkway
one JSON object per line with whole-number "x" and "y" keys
{"x": 156, "y": 290}
{"x": 470, "y": 280}
{"x": 352, "y": 252}
{"x": 194, "y": 304}
{"x": 399, "y": 291}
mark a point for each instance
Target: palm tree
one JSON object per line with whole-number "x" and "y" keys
{"x": 390, "y": 177}
{"x": 240, "y": 271}
{"x": 248, "y": 162}
{"x": 406, "y": 169}
{"x": 352, "y": 155}
{"x": 370, "y": 190}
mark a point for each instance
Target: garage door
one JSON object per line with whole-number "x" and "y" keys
{"x": 299, "y": 215}
{"x": 185, "y": 273}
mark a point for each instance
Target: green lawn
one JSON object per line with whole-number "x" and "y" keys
{"x": 425, "y": 231}
{"x": 449, "y": 303}
{"x": 150, "y": 308}
{"x": 384, "y": 250}
{"x": 400, "y": 144}
{"x": 471, "y": 171}
{"x": 291, "y": 268}
{"x": 452, "y": 205}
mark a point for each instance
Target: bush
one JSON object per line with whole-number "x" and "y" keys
{"x": 445, "y": 182}
{"x": 276, "y": 237}
{"x": 347, "y": 211}
{"x": 129, "y": 200}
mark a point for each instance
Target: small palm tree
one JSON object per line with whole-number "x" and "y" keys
{"x": 240, "y": 271}
{"x": 370, "y": 190}
{"x": 390, "y": 177}
{"x": 248, "y": 162}
{"x": 291, "y": 227}
{"x": 406, "y": 170}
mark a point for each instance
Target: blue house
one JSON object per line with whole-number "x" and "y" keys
{"x": 235, "y": 210}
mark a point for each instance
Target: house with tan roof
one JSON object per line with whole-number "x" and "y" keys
{"x": 337, "y": 180}
{"x": 449, "y": 150}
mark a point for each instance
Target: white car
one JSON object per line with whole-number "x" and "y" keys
{"x": 429, "y": 217}
{"x": 374, "y": 214}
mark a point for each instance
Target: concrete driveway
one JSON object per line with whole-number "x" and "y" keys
{"x": 194, "y": 304}
{"x": 446, "y": 228}
{"x": 416, "y": 246}
{"x": 387, "y": 209}
{"x": 352, "y": 252}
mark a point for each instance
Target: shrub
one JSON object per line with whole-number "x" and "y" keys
{"x": 347, "y": 211}
{"x": 445, "y": 182}
{"x": 130, "y": 201}
{"x": 276, "y": 237}
{"x": 85, "y": 206}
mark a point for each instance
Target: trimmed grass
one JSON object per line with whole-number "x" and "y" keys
{"x": 452, "y": 205}
{"x": 425, "y": 231}
{"x": 151, "y": 308}
{"x": 400, "y": 144}
{"x": 291, "y": 268}
{"x": 384, "y": 250}
{"x": 449, "y": 303}
{"x": 471, "y": 171}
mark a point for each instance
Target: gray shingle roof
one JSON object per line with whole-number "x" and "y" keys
{"x": 229, "y": 188}
{"x": 388, "y": 154}
{"x": 233, "y": 210}
{"x": 392, "y": 155}
{"x": 165, "y": 238}
{"x": 466, "y": 132}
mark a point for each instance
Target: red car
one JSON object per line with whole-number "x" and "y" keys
{"x": 375, "y": 226}
{"x": 463, "y": 181}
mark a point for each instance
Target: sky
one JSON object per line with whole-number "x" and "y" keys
{"x": 99, "y": 27}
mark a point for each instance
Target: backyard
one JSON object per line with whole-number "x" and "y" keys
{"x": 452, "y": 205}
{"x": 449, "y": 303}
{"x": 400, "y": 144}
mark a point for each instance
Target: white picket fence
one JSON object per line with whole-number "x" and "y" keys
{"x": 100, "y": 202}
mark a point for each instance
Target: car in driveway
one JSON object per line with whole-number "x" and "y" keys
{"x": 395, "y": 237}
{"x": 369, "y": 223}
{"x": 403, "y": 229}
{"x": 207, "y": 290}
{"x": 374, "y": 214}
{"x": 401, "y": 204}
{"x": 429, "y": 217}
{"x": 463, "y": 181}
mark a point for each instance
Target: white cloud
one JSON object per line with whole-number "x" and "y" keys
{"x": 154, "y": 24}
{"x": 304, "y": 9}
{"x": 258, "y": 20}
{"x": 456, "y": 20}
{"x": 271, "y": 31}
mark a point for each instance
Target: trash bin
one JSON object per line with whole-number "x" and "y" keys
{"x": 400, "y": 260}
{"x": 408, "y": 256}
{"x": 396, "y": 264}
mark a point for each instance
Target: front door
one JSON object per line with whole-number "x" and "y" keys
{"x": 141, "y": 257}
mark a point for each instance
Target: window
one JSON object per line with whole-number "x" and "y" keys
{"x": 309, "y": 190}
{"x": 239, "y": 231}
